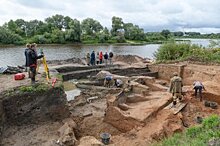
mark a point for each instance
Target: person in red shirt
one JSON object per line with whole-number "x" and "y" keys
{"x": 100, "y": 57}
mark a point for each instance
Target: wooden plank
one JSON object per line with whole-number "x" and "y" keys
{"x": 176, "y": 109}
{"x": 179, "y": 107}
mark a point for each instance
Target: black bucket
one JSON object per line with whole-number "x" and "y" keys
{"x": 105, "y": 138}
{"x": 199, "y": 119}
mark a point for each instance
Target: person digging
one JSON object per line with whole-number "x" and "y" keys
{"x": 108, "y": 81}
{"x": 198, "y": 87}
{"x": 122, "y": 97}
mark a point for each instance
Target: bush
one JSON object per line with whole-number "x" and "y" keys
{"x": 173, "y": 51}
{"x": 211, "y": 122}
{"x": 119, "y": 39}
{"x": 8, "y": 37}
{"x": 196, "y": 136}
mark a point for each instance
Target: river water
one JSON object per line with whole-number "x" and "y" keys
{"x": 15, "y": 55}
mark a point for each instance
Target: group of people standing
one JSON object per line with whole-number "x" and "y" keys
{"x": 31, "y": 57}
{"x": 99, "y": 58}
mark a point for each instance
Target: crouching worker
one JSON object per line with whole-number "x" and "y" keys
{"x": 176, "y": 88}
{"x": 118, "y": 83}
{"x": 32, "y": 58}
{"x": 108, "y": 81}
{"x": 198, "y": 86}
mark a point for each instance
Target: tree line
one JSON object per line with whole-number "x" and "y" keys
{"x": 63, "y": 29}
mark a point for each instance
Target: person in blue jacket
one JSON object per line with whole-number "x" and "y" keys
{"x": 106, "y": 58}
{"x": 93, "y": 58}
{"x": 28, "y": 46}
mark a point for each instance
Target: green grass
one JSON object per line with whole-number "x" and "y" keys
{"x": 59, "y": 77}
{"x": 197, "y": 135}
{"x": 36, "y": 88}
{"x": 91, "y": 41}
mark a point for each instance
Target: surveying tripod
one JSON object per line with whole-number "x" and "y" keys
{"x": 46, "y": 69}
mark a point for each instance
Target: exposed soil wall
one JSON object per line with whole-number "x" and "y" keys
{"x": 126, "y": 123}
{"x": 2, "y": 117}
{"x": 32, "y": 105}
{"x": 201, "y": 72}
{"x": 165, "y": 71}
{"x": 189, "y": 72}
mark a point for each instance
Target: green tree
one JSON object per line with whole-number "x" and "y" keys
{"x": 57, "y": 36}
{"x": 178, "y": 34}
{"x": 91, "y": 27}
{"x": 9, "y": 37}
{"x": 154, "y": 37}
{"x": 133, "y": 32}
{"x": 35, "y": 27}
{"x": 56, "y": 22}
{"x": 66, "y": 23}
{"x": 117, "y": 25}
{"x": 74, "y": 33}
{"x": 11, "y": 25}
{"x": 104, "y": 36}
{"x": 128, "y": 27}
{"x": 165, "y": 33}
{"x": 120, "y": 38}
{"x": 21, "y": 27}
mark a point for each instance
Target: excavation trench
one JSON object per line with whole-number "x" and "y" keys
{"x": 136, "y": 117}
{"x": 101, "y": 115}
{"x": 145, "y": 117}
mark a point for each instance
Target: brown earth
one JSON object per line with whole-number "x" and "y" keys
{"x": 89, "y": 117}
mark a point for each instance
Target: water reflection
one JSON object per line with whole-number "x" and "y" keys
{"x": 71, "y": 90}
{"x": 15, "y": 55}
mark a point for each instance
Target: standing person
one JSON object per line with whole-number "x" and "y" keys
{"x": 176, "y": 87}
{"x": 97, "y": 58}
{"x": 197, "y": 85}
{"x": 28, "y": 46}
{"x": 32, "y": 61}
{"x": 93, "y": 58}
{"x": 100, "y": 57}
{"x": 106, "y": 58}
{"x": 110, "y": 57}
{"x": 88, "y": 59}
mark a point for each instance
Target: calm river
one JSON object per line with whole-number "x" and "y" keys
{"x": 15, "y": 55}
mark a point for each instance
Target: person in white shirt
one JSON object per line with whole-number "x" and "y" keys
{"x": 198, "y": 86}
{"x": 118, "y": 83}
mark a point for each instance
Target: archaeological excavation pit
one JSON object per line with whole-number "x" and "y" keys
{"x": 135, "y": 117}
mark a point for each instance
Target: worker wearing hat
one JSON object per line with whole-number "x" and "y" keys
{"x": 176, "y": 87}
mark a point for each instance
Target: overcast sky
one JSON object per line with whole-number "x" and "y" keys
{"x": 152, "y": 15}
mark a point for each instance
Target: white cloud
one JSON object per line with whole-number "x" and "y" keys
{"x": 153, "y": 15}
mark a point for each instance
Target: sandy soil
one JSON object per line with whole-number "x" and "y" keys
{"x": 37, "y": 135}
{"x": 8, "y": 82}
{"x": 162, "y": 125}
{"x": 89, "y": 116}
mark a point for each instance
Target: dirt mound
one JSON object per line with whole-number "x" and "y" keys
{"x": 102, "y": 74}
{"x": 130, "y": 59}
